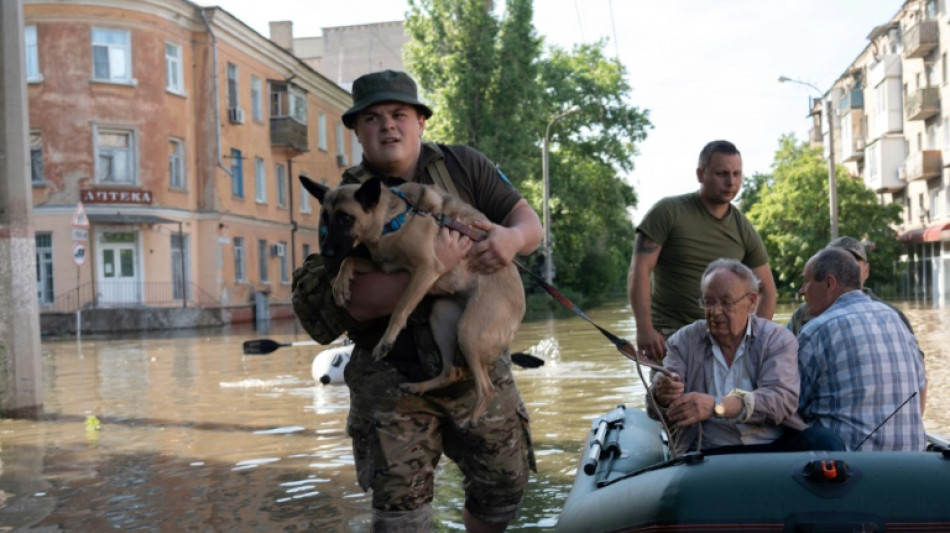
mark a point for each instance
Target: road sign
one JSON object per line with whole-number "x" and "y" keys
{"x": 79, "y": 253}
{"x": 80, "y": 220}
{"x": 80, "y": 235}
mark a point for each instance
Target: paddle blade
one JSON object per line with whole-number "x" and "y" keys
{"x": 261, "y": 346}
{"x": 525, "y": 360}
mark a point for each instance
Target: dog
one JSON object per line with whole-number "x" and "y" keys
{"x": 487, "y": 309}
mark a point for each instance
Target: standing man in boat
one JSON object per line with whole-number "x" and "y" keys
{"x": 735, "y": 375}
{"x": 399, "y": 438}
{"x": 679, "y": 236}
{"x": 859, "y": 364}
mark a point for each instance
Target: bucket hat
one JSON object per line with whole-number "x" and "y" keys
{"x": 853, "y": 246}
{"x": 384, "y": 86}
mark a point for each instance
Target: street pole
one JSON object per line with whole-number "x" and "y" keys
{"x": 548, "y": 263}
{"x": 832, "y": 178}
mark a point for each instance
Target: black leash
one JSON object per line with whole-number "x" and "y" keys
{"x": 873, "y": 431}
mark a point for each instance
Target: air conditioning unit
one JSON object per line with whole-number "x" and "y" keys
{"x": 236, "y": 115}
{"x": 341, "y": 160}
{"x": 278, "y": 250}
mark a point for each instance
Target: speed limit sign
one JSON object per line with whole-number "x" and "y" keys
{"x": 79, "y": 253}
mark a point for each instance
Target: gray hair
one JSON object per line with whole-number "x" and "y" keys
{"x": 838, "y": 263}
{"x": 716, "y": 147}
{"x": 741, "y": 271}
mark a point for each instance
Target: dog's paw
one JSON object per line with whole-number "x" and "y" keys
{"x": 382, "y": 350}
{"x": 341, "y": 290}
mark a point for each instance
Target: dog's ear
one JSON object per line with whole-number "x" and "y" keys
{"x": 368, "y": 193}
{"x": 316, "y": 189}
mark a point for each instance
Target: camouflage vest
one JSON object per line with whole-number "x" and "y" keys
{"x": 320, "y": 316}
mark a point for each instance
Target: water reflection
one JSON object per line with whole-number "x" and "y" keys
{"x": 194, "y": 436}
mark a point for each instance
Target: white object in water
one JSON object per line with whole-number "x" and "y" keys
{"x": 328, "y": 365}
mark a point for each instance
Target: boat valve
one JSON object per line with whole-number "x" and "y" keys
{"x": 826, "y": 471}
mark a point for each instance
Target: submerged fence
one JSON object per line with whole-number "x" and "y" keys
{"x": 129, "y": 295}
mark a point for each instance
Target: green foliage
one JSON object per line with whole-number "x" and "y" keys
{"x": 490, "y": 88}
{"x": 752, "y": 190}
{"x": 792, "y": 215}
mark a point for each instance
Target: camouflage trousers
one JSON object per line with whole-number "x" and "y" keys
{"x": 399, "y": 437}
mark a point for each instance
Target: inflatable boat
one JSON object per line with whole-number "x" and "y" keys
{"x": 627, "y": 481}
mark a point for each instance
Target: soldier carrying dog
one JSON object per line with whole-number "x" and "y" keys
{"x": 399, "y": 437}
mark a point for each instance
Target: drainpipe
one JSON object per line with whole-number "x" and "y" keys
{"x": 214, "y": 83}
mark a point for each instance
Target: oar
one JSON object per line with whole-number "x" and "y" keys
{"x": 266, "y": 346}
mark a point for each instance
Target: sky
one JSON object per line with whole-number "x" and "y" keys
{"x": 705, "y": 69}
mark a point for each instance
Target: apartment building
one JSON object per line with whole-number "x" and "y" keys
{"x": 890, "y": 127}
{"x": 181, "y": 131}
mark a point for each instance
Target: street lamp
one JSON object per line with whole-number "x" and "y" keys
{"x": 832, "y": 179}
{"x": 548, "y": 268}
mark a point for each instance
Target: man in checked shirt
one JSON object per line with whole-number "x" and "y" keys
{"x": 859, "y": 363}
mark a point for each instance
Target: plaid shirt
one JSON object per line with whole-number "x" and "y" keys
{"x": 858, "y": 362}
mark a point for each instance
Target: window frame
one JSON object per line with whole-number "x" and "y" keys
{"x": 45, "y": 280}
{"x": 125, "y": 48}
{"x": 36, "y": 147}
{"x": 262, "y": 252}
{"x": 284, "y": 265}
{"x": 234, "y": 86}
{"x": 304, "y": 201}
{"x": 257, "y": 99}
{"x": 322, "y": 131}
{"x": 176, "y": 162}
{"x": 31, "y": 50}
{"x": 281, "y": 178}
{"x": 175, "y": 66}
{"x": 132, "y": 149}
{"x": 260, "y": 181}
{"x": 237, "y": 174}
{"x": 240, "y": 260}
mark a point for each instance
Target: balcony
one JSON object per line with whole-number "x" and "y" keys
{"x": 923, "y": 104}
{"x": 853, "y": 151}
{"x": 853, "y": 99}
{"x": 921, "y": 165}
{"x": 920, "y": 39}
{"x": 286, "y": 131}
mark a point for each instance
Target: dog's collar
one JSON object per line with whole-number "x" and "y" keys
{"x": 397, "y": 222}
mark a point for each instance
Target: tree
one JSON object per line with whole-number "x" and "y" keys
{"x": 490, "y": 88}
{"x": 792, "y": 215}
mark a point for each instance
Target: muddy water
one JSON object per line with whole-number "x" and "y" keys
{"x": 189, "y": 435}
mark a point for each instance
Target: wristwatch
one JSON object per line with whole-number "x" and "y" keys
{"x": 719, "y": 410}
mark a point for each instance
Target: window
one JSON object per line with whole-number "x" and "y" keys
{"x": 111, "y": 55}
{"x": 340, "y": 142}
{"x": 260, "y": 181}
{"x": 284, "y": 265}
{"x": 943, "y": 67}
{"x": 240, "y": 275}
{"x": 306, "y": 251}
{"x": 115, "y": 156}
{"x": 32, "y": 54}
{"x": 36, "y": 158}
{"x": 44, "y": 267}
{"x": 281, "y": 186}
{"x": 304, "y": 200}
{"x": 356, "y": 149}
{"x": 288, "y": 101}
{"x": 174, "y": 73}
{"x": 934, "y": 195}
{"x": 237, "y": 174}
{"x": 322, "y": 131}
{"x": 233, "y": 102}
{"x": 262, "y": 260}
{"x": 257, "y": 99}
{"x": 176, "y": 164}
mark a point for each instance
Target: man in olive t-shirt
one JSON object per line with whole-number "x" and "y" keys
{"x": 679, "y": 237}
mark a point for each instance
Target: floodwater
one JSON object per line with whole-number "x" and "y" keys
{"x": 184, "y": 433}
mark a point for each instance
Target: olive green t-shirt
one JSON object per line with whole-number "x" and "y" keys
{"x": 692, "y": 238}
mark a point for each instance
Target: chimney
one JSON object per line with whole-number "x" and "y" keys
{"x": 282, "y": 33}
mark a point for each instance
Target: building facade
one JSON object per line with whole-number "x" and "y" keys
{"x": 181, "y": 131}
{"x": 889, "y": 126}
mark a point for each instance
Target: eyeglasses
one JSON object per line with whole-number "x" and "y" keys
{"x": 726, "y": 306}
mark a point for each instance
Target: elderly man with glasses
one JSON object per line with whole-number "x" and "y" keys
{"x": 735, "y": 380}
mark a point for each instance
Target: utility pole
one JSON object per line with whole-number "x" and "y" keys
{"x": 21, "y": 378}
